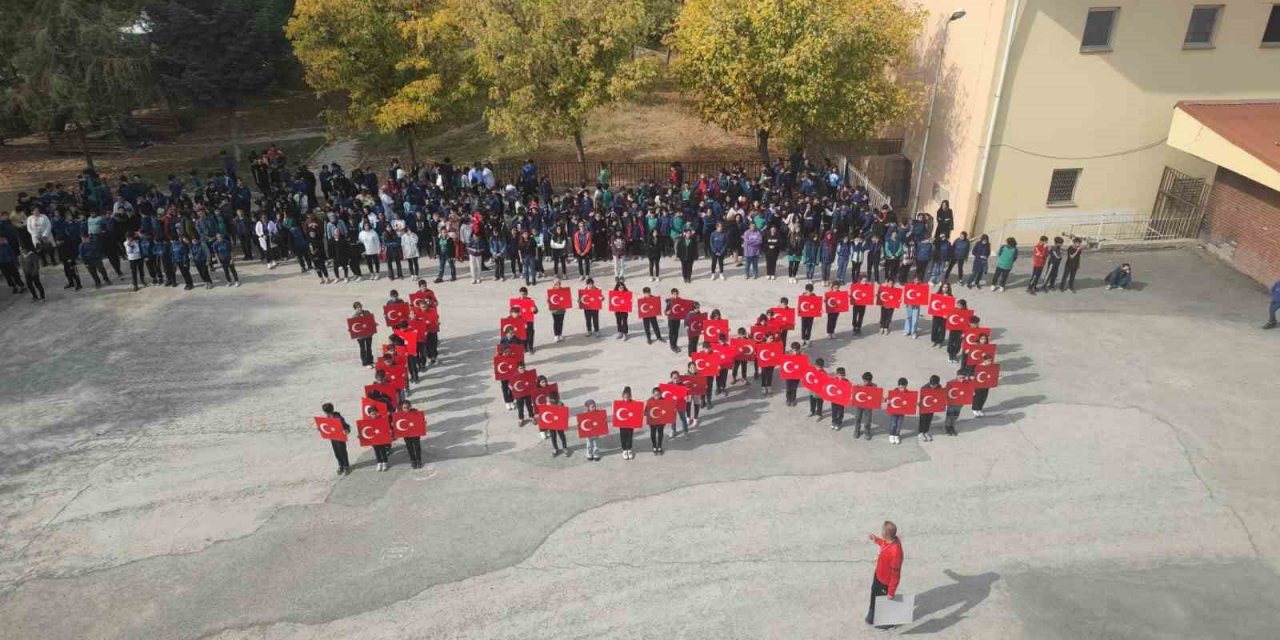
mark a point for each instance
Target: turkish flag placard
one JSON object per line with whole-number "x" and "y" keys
{"x": 696, "y": 384}
{"x": 592, "y": 424}
{"x": 522, "y": 384}
{"x": 868, "y": 397}
{"x": 679, "y": 307}
{"x": 980, "y": 353}
{"x": 933, "y": 400}
{"x": 958, "y": 319}
{"x": 809, "y": 305}
{"x": 960, "y": 392}
{"x": 725, "y": 353}
{"x": 410, "y": 338}
{"x": 706, "y": 362}
{"x": 659, "y": 412}
{"x": 971, "y": 335}
{"x": 422, "y": 328}
{"x": 902, "y": 402}
{"x": 941, "y": 305}
{"x": 516, "y": 323}
{"x": 762, "y": 332}
{"x": 890, "y": 297}
{"x": 746, "y": 348}
{"x": 525, "y": 305}
{"x": 915, "y": 294}
{"x": 512, "y": 349}
{"x": 559, "y": 298}
{"x": 674, "y": 392}
{"x": 814, "y": 379}
{"x": 769, "y": 354}
{"x": 838, "y": 391}
{"x": 552, "y": 417}
{"x": 628, "y": 414}
{"x": 430, "y": 319}
{"x": 986, "y": 376}
{"x": 590, "y": 299}
{"x": 836, "y": 301}
{"x": 542, "y": 394}
{"x": 409, "y": 424}
{"x": 791, "y": 366}
{"x": 862, "y": 294}
{"x": 713, "y": 329}
{"x": 423, "y": 299}
{"x": 363, "y": 326}
{"x": 330, "y": 428}
{"x": 374, "y": 431}
{"x": 786, "y": 317}
{"x": 396, "y": 312}
{"x": 620, "y": 301}
{"x": 649, "y": 307}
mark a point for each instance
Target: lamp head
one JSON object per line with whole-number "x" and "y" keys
{"x": 956, "y": 15}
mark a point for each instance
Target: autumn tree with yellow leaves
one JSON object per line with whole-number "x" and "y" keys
{"x": 797, "y": 68}
{"x": 400, "y": 65}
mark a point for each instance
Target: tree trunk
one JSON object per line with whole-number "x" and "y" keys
{"x": 762, "y": 144}
{"x": 582, "y": 155}
{"x": 408, "y": 133}
{"x": 235, "y": 133}
{"x": 84, "y": 146}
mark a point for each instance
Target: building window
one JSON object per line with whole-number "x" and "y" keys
{"x": 1097, "y": 29}
{"x": 1062, "y": 187}
{"x": 1271, "y": 34}
{"x": 1201, "y": 27}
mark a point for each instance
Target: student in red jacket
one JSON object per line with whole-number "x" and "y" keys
{"x": 888, "y": 566}
{"x": 582, "y": 247}
{"x": 1039, "y": 254}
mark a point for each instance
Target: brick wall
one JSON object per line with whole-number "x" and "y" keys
{"x": 1243, "y": 217}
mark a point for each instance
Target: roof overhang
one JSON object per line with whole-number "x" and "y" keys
{"x": 1242, "y": 137}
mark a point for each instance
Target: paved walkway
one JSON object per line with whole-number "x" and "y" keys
{"x": 164, "y": 479}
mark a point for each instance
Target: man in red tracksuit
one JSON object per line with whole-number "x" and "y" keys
{"x": 1039, "y": 254}
{"x": 888, "y": 566}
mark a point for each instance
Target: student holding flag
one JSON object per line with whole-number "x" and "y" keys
{"x": 339, "y": 446}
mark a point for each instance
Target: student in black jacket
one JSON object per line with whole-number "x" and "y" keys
{"x": 339, "y": 447}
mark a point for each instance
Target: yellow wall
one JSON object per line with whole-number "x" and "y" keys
{"x": 1109, "y": 113}
{"x": 964, "y": 95}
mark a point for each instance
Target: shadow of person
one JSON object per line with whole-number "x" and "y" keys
{"x": 966, "y": 591}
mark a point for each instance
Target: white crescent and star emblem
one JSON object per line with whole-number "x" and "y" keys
{"x": 810, "y": 377}
{"x": 326, "y": 429}
{"x": 653, "y": 413}
{"x": 984, "y": 376}
{"x": 954, "y": 318}
{"x": 913, "y": 295}
{"x": 504, "y": 367}
{"x": 520, "y": 386}
{"x": 972, "y": 339}
{"x": 935, "y": 305}
{"x": 359, "y": 327}
{"x": 954, "y": 393}
{"x": 364, "y": 433}
{"x": 897, "y": 403}
{"x": 806, "y": 305}
{"x": 546, "y": 416}
{"x": 399, "y": 427}
{"x": 623, "y": 414}
{"x": 862, "y": 396}
{"x": 616, "y": 301}
{"x": 930, "y": 401}
{"x": 833, "y": 389}
{"x": 789, "y": 367}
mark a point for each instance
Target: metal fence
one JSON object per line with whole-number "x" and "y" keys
{"x": 624, "y": 173}
{"x": 1101, "y": 228}
{"x": 854, "y": 177}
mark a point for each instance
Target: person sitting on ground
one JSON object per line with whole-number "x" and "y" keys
{"x": 1120, "y": 278}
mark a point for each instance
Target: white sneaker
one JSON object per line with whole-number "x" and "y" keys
{"x": 994, "y": 287}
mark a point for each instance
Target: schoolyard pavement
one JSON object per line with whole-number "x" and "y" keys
{"x": 164, "y": 479}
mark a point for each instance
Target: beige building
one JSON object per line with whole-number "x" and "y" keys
{"x": 1053, "y": 114}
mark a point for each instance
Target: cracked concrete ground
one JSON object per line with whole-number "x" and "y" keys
{"x": 164, "y": 480}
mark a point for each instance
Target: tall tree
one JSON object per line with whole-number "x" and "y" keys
{"x": 72, "y": 62}
{"x": 211, "y": 53}
{"x": 797, "y": 68}
{"x": 549, "y": 63}
{"x": 400, "y": 64}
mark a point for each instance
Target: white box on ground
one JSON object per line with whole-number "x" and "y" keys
{"x": 899, "y": 610}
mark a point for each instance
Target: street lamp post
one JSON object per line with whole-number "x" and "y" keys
{"x": 933, "y": 95}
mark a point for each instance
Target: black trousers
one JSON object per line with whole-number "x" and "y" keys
{"x": 381, "y": 452}
{"x": 73, "y": 275}
{"x": 528, "y": 341}
{"x": 837, "y": 415}
{"x": 652, "y": 324}
{"x": 557, "y": 323}
{"x": 414, "y": 447}
{"x": 584, "y": 266}
{"x": 558, "y": 440}
{"x": 1051, "y": 277}
{"x": 877, "y": 589}
{"x": 673, "y": 333}
{"x": 686, "y": 270}
{"x": 620, "y": 319}
{"x": 859, "y": 312}
{"x": 185, "y": 268}
{"x": 926, "y": 419}
{"x": 34, "y": 285}
{"x": 654, "y": 268}
{"x": 1069, "y": 276}
{"x": 11, "y": 277}
{"x": 625, "y": 437}
{"x": 954, "y": 343}
{"x": 792, "y": 386}
{"x": 340, "y": 452}
{"x": 366, "y": 350}
{"x": 655, "y": 435}
{"x": 766, "y": 377}
{"x": 770, "y": 264}
{"x": 203, "y": 268}
{"x": 832, "y": 318}
{"x": 938, "y": 330}
{"x": 980, "y": 398}
{"x": 136, "y": 273}
{"x": 592, "y": 319}
{"x": 806, "y": 328}
{"x": 433, "y": 346}
{"x": 815, "y": 405}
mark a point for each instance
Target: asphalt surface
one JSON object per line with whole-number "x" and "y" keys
{"x": 164, "y": 480}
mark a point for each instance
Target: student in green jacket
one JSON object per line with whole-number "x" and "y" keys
{"x": 1004, "y": 264}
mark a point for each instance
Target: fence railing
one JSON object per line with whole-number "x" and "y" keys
{"x": 625, "y": 173}
{"x": 854, "y": 177}
{"x": 1100, "y": 228}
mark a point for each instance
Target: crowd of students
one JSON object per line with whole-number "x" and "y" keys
{"x": 791, "y": 214}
